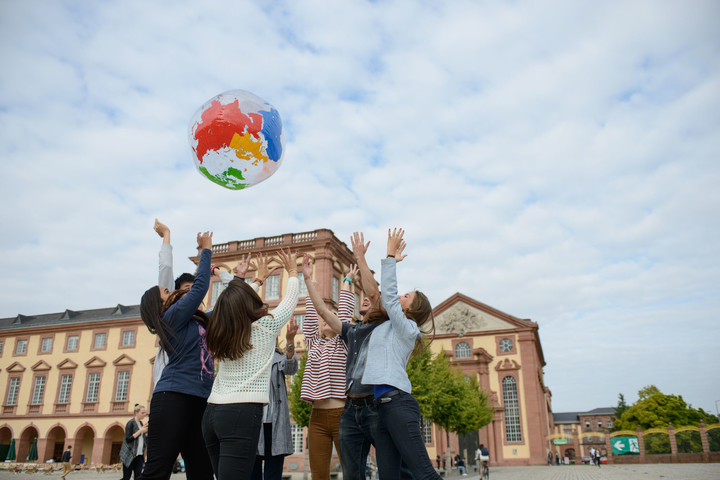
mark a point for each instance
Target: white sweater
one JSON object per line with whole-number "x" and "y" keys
{"x": 247, "y": 380}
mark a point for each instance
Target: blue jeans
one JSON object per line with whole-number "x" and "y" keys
{"x": 231, "y": 432}
{"x": 358, "y": 429}
{"x": 399, "y": 439}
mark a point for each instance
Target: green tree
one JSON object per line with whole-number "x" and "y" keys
{"x": 446, "y": 397}
{"x": 299, "y": 409}
{"x": 654, "y": 409}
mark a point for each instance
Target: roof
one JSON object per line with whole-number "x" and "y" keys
{"x": 69, "y": 317}
{"x": 574, "y": 417}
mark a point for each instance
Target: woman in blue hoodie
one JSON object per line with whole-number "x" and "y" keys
{"x": 398, "y": 435}
{"x": 180, "y": 396}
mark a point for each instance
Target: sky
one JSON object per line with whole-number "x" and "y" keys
{"x": 555, "y": 160}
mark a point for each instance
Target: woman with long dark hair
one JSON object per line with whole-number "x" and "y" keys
{"x": 180, "y": 396}
{"x": 241, "y": 336}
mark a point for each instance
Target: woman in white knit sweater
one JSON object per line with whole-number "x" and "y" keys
{"x": 241, "y": 336}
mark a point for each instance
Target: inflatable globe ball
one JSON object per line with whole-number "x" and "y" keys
{"x": 237, "y": 139}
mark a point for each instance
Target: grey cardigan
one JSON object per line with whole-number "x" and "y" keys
{"x": 392, "y": 342}
{"x": 281, "y": 435}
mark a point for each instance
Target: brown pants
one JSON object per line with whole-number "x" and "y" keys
{"x": 323, "y": 432}
{"x": 67, "y": 468}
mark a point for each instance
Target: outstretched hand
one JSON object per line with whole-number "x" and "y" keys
{"x": 289, "y": 261}
{"x": 306, "y": 267}
{"x": 204, "y": 240}
{"x": 243, "y": 265}
{"x": 396, "y": 244}
{"x": 358, "y": 245}
{"x": 291, "y": 331}
{"x": 352, "y": 273}
{"x": 262, "y": 271}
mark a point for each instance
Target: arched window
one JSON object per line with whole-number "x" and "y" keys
{"x": 512, "y": 410}
{"x": 462, "y": 350}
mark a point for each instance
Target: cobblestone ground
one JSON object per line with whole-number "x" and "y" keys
{"x": 684, "y": 471}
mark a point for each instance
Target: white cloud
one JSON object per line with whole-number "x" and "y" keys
{"x": 555, "y": 161}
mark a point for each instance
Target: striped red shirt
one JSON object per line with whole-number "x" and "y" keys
{"x": 324, "y": 375}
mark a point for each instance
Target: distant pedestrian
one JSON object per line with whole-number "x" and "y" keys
{"x": 438, "y": 462}
{"x": 550, "y": 458}
{"x": 67, "y": 466}
{"x": 557, "y": 459}
{"x": 597, "y": 457}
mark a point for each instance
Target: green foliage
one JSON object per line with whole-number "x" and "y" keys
{"x": 445, "y": 396}
{"x": 622, "y": 406}
{"x": 656, "y": 410}
{"x": 299, "y": 409}
{"x": 714, "y": 439}
{"x": 657, "y": 443}
{"x": 688, "y": 442}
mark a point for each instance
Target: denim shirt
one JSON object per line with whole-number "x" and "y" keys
{"x": 392, "y": 342}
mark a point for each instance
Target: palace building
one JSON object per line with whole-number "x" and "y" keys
{"x": 74, "y": 377}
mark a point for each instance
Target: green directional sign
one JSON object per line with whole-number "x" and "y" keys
{"x": 622, "y": 445}
{"x": 560, "y": 441}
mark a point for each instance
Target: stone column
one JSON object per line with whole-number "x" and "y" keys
{"x": 641, "y": 444}
{"x": 704, "y": 441}
{"x": 98, "y": 450}
{"x": 608, "y": 447}
{"x": 42, "y": 450}
{"x": 673, "y": 444}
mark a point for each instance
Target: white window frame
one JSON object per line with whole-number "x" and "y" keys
{"x": 24, "y": 344}
{"x": 302, "y": 287}
{"x": 65, "y": 388}
{"x": 93, "y": 388}
{"x": 513, "y": 431}
{"x": 335, "y": 289}
{"x": 38, "y": 390}
{"x": 46, "y": 344}
{"x": 76, "y": 341}
{"x": 123, "y": 384}
{"x": 463, "y": 350}
{"x": 297, "y": 433}
{"x": 272, "y": 287}
{"x": 13, "y": 390}
{"x": 128, "y": 334}
{"x": 102, "y": 335}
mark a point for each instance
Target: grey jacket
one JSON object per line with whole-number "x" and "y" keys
{"x": 281, "y": 434}
{"x": 392, "y": 342}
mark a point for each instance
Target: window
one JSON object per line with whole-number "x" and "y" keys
{"x": 217, "y": 289}
{"x": 100, "y": 340}
{"x": 609, "y": 424}
{"x": 72, "y": 342}
{"x": 65, "y": 386}
{"x": 1, "y": 347}
{"x": 297, "y": 438}
{"x": 512, "y": 410}
{"x": 357, "y": 304}
{"x": 335, "y": 288}
{"x": 587, "y": 424}
{"x": 123, "y": 381}
{"x": 38, "y": 390}
{"x": 506, "y": 345}
{"x": 300, "y": 319}
{"x": 462, "y": 350}
{"x": 13, "y": 389}
{"x": 272, "y": 287}
{"x": 93, "y": 386}
{"x": 599, "y": 424}
{"x": 427, "y": 431}
{"x": 303, "y": 287}
{"x": 46, "y": 345}
{"x": 128, "y": 339}
{"x": 21, "y": 347}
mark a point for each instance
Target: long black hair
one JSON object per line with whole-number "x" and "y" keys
{"x": 152, "y": 309}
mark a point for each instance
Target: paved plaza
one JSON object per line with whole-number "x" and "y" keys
{"x": 683, "y": 471}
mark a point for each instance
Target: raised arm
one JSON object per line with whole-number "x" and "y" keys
{"x": 317, "y": 301}
{"x": 346, "y": 300}
{"x": 366, "y": 277}
{"x": 282, "y": 313}
{"x": 165, "y": 267}
{"x": 182, "y": 311}
{"x": 396, "y": 245}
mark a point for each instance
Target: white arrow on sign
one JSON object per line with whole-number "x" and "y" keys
{"x": 619, "y": 445}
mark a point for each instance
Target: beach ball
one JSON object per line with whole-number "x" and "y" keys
{"x": 237, "y": 139}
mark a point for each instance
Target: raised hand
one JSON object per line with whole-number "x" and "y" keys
{"x": 352, "y": 273}
{"x": 359, "y": 246}
{"x": 289, "y": 261}
{"x": 291, "y": 331}
{"x": 396, "y": 244}
{"x": 306, "y": 268}
{"x": 162, "y": 230}
{"x": 243, "y": 265}
{"x": 204, "y": 240}
{"x": 262, "y": 271}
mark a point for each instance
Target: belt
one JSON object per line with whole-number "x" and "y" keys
{"x": 386, "y": 397}
{"x": 365, "y": 401}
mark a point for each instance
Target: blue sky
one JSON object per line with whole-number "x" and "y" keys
{"x": 555, "y": 160}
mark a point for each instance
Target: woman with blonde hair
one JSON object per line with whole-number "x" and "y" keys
{"x": 132, "y": 453}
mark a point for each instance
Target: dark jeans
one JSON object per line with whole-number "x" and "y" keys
{"x": 273, "y": 463}
{"x": 174, "y": 428}
{"x": 358, "y": 429}
{"x": 135, "y": 467}
{"x": 231, "y": 433}
{"x": 399, "y": 439}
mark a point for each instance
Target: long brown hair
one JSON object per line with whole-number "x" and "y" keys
{"x": 230, "y": 326}
{"x": 420, "y": 311}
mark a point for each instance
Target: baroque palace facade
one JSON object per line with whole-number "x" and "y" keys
{"x": 72, "y": 378}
